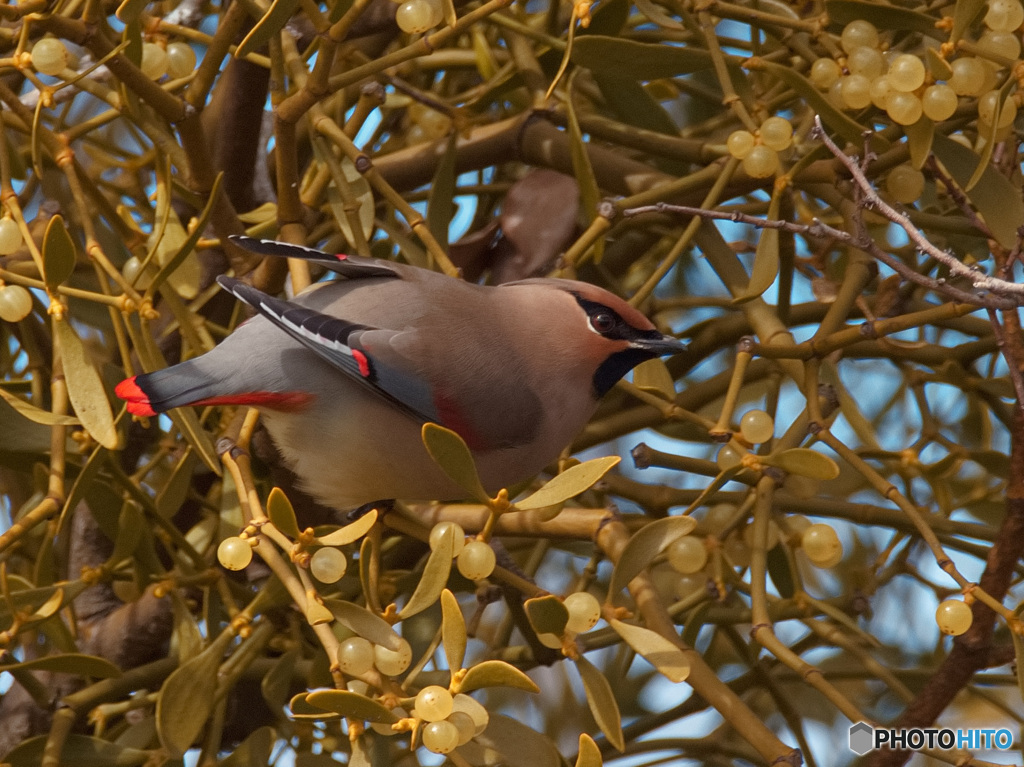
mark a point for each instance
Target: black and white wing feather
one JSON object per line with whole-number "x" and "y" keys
{"x": 361, "y": 352}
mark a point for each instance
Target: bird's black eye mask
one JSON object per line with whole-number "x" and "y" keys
{"x": 604, "y": 321}
{"x": 609, "y": 324}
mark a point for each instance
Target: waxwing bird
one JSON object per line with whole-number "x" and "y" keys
{"x": 346, "y": 373}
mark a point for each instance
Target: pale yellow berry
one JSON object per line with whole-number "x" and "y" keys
{"x": 134, "y": 273}
{"x": 858, "y": 33}
{"x": 987, "y": 105}
{"x": 181, "y": 59}
{"x": 797, "y": 524}
{"x": 10, "y": 236}
{"x": 906, "y": 73}
{"x": 584, "y": 611}
{"x": 905, "y": 183}
{"x": 1004, "y": 15}
{"x": 328, "y": 564}
{"x": 904, "y": 108}
{"x": 474, "y": 709}
{"x": 866, "y": 61}
{"x": 688, "y": 585}
{"x": 821, "y": 544}
{"x": 456, "y": 531}
{"x": 687, "y": 554}
{"x": 855, "y": 91}
{"x": 1005, "y": 44}
{"x": 355, "y": 656}
{"x": 440, "y": 737}
{"x": 777, "y": 133}
{"x": 15, "y": 303}
{"x": 740, "y": 143}
{"x": 879, "y": 92}
{"x": 416, "y": 16}
{"x": 49, "y": 56}
{"x": 825, "y": 73}
{"x": 954, "y": 617}
{"x": 756, "y": 426}
{"x": 433, "y": 703}
{"x": 968, "y": 76}
{"x": 476, "y": 561}
{"x": 938, "y": 102}
{"x": 728, "y": 457}
{"x": 234, "y": 553}
{"x": 154, "y": 61}
{"x": 464, "y": 724}
{"x": 392, "y": 662}
{"x": 762, "y": 162}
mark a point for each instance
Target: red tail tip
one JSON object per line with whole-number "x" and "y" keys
{"x": 138, "y": 400}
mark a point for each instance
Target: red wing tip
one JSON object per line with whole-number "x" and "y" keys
{"x": 363, "y": 362}
{"x": 341, "y": 256}
{"x": 138, "y": 400}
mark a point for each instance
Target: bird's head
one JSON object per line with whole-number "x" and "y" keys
{"x": 597, "y": 328}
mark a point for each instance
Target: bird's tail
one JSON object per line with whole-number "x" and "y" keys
{"x": 152, "y": 393}
{"x": 191, "y": 383}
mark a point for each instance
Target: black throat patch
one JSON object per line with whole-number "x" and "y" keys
{"x": 616, "y": 366}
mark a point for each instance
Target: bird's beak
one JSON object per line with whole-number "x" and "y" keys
{"x": 659, "y": 345}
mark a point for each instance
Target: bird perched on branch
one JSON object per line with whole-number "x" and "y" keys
{"x": 346, "y": 373}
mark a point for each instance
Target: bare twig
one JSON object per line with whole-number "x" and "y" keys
{"x": 872, "y": 199}
{"x": 819, "y": 229}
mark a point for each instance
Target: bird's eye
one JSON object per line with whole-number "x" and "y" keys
{"x": 602, "y": 322}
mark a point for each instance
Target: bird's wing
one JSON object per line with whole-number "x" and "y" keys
{"x": 352, "y": 267}
{"x": 361, "y": 352}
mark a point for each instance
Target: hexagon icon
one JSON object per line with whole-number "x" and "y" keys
{"x": 861, "y": 738}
